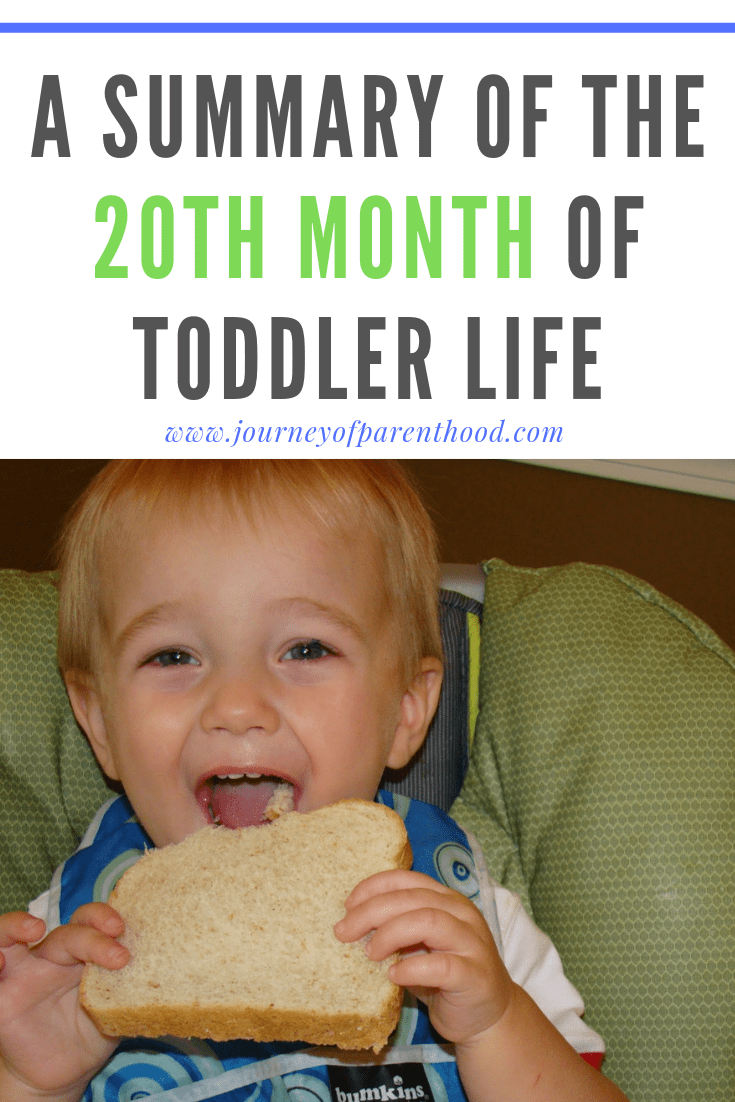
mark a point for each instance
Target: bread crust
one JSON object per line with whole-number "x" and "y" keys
{"x": 229, "y": 1020}
{"x": 227, "y": 1023}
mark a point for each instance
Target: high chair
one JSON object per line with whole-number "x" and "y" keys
{"x": 585, "y": 735}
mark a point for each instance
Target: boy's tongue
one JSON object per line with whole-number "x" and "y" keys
{"x": 243, "y": 802}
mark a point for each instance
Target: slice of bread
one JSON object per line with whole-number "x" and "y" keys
{"x": 231, "y": 934}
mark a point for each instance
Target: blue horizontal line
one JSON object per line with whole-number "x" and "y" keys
{"x": 367, "y": 28}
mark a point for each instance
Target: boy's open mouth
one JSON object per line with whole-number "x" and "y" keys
{"x": 245, "y": 799}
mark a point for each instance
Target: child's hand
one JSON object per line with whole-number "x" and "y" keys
{"x": 459, "y": 974}
{"x": 48, "y": 1043}
{"x": 505, "y": 1047}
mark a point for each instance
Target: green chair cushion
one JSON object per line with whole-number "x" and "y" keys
{"x": 50, "y": 784}
{"x": 601, "y": 787}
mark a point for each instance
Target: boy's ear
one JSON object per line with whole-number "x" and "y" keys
{"x": 87, "y": 709}
{"x": 417, "y": 711}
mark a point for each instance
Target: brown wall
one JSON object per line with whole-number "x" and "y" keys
{"x": 35, "y": 494}
{"x": 531, "y": 516}
{"x": 535, "y": 516}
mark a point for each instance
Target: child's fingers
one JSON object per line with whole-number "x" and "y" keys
{"x": 19, "y": 927}
{"x": 389, "y": 881}
{"x": 78, "y": 943}
{"x": 377, "y": 910}
{"x": 101, "y": 916}
{"x": 428, "y": 927}
{"x": 434, "y": 972}
{"x": 463, "y": 999}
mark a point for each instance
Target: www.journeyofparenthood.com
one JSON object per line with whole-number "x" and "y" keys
{"x": 361, "y": 434}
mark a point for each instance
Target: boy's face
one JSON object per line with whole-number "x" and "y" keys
{"x": 233, "y": 651}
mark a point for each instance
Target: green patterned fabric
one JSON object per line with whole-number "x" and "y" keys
{"x": 50, "y": 785}
{"x": 601, "y": 787}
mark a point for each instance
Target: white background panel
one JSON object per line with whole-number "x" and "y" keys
{"x": 73, "y": 365}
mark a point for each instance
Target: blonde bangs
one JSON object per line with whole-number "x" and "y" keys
{"x": 347, "y": 497}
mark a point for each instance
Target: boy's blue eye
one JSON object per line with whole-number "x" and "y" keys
{"x": 174, "y": 657}
{"x": 307, "y": 650}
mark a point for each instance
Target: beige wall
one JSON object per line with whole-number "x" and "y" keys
{"x": 532, "y": 516}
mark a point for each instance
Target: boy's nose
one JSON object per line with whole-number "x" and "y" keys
{"x": 239, "y": 705}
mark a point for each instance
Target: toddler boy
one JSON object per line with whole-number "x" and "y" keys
{"x": 227, "y": 627}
